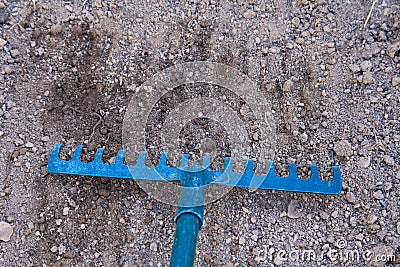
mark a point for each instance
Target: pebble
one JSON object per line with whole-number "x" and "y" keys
{"x": 241, "y": 240}
{"x": 367, "y": 78}
{"x": 395, "y": 81}
{"x": 288, "y": 86}
{"x": 350, "y": 197}
{"x": 303, "y": 137}
{"x": 388, "y": 160}
{"x": 56, "y": 29}
{"x": 6, "y": 231}
{"x": 104, "y": 192}
{"x": 249, "y": 14}
{"x": 292, "y": 211}
{"x": 54, "y": 249}
{"x": 8, "y": 69}
{"x": 2, "y": 42}
{"x": 398, "y": 228}
{"x": 392, "y": 49}
{"x": 61, "y": 249}
{"x": 296, "y": 22}
{"x": 153, "y": 246}
{"x": 371, "y": 219}
{"x": 65, "y": 211}
{"x": 378, "y": 195}
{"x": 364, "y": 162}
{"x": 45, "y": 139}
{"x": 354, "y": 68}
{"x": 29, "y": 145}
{"x": 15, "y": 53}
{"x": 277, "y": 260}
{"x": 343, "y": 149}
{"x": 366, "y": 66}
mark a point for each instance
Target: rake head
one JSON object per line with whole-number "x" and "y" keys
{"x": 225, "y": 177}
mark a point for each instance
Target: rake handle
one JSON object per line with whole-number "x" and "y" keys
{"x": 188, "y": 218}
{"x": 184, "y": 250}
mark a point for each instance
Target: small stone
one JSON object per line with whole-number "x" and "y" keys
{"x": 350, "y": 197}
{"x": 241, "y": 240}
{"x": 398, "y": 228}
{"x": 378, "y": 195}
{"x": 388, "y": 160}
{"x": 8, "y": 69}
{"x": 15, "y": 53}
{"x": 29, "y": 145}
{"x": 54, "y": 249}
{"x": 58, "y": 222}
{"x": 277, "y": 260}
{"x": 153, "y": 246}
{"x": 364, "y": 162}
{"x": 393, "y": 49}
{"x": 303, "y": 137}
{"x": 249, "y": 14}
{"x": 65, "y": 211}
{"x": 254, "y": 237}
{"x": 371, "y": 219}
{"x": 6, "y": 231}
{"x": 2, "y": 42}
{"x": 7, "y": 191}
{"x": 104, "y": 192}
{"x": 296, "y": 22}
{"x": 288, "y": 86}
{"x": 324, "y": 215}
{"x": 343, "y": 149}
{"x": 56, "y": 29}
{"x": 366, "y": 66}
{"x": 367, "y": 78}
{"x": 354, "y": 68}
{"x": 395, "y": 81}
{"x": 45, "y": 139}
{"x": 61, "y": 249}
{"x": 292, "y": 211}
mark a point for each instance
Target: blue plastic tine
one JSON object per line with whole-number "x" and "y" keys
{"x": 163, "y": 159}
{"x": 292, "y": 170}
{"x": 271, "y": 168}
{"x": 98, "y": 157}
{"x": 206, "y": 161}
{"x": 227, "y": 164}
{"x": 184, "y": 161}
{"x": 314, "y": 172}
{"x": 77, "y": 153}
{"x": 120, "y": 157}
{"x": 56, "y": 151}
{"x": 141, "y": 161}
{"x": 249, "y": 166}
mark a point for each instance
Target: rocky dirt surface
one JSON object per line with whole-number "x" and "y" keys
{"x": 68, "y": 70}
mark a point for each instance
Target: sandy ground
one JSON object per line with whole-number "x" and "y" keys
{"x": 68, "y": 70}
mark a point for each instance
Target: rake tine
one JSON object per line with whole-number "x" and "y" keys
{"x": 163, "y": 159}
{"x": 206, "y": 161}
{"x": 292, "y": 170}
{"x": 120, "y": 157}
{"x": 184, "y": 161}
{"x": 98, "y": 157}
{"x": 77, "y": 153}
{"x": 141, "y": 161}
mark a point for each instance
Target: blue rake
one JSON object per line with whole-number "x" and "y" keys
{"x": 193, "y": 179}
